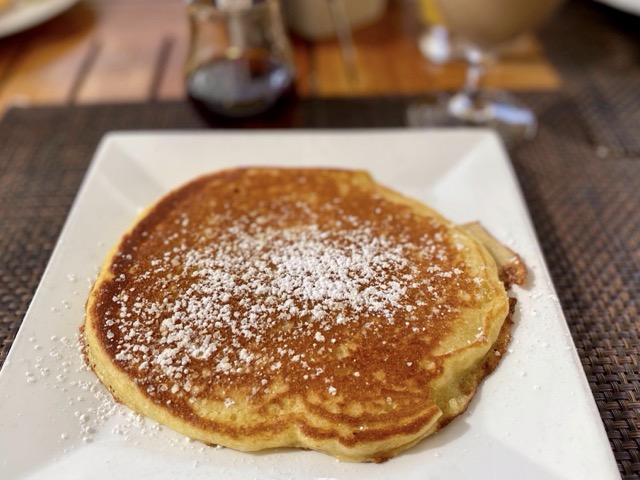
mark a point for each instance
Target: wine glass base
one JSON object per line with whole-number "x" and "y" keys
{"x": 495, "y": 109}
{"x": 498, "y": 110}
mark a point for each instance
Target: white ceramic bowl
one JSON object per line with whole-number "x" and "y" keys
{"x": 311, "y": 19}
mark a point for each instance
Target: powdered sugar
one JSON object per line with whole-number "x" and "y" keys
{"x": 302, "y": 272}
{"x": 250, "y": 294}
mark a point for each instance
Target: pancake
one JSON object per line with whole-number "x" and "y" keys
{"x": 261, "y": 308}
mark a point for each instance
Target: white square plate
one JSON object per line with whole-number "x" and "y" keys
{"x": 24, "y": 14}
{"x": 533, "y": 418}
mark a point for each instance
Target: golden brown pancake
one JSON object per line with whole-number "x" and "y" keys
{"x": 261, "y": 308}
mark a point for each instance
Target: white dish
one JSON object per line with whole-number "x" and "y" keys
{"x": 533, "y": 418}
{"x": 24, "y": 14}
{"x": 629, "y": 6}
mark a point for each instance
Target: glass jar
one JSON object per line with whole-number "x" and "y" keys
{"x": 240, "y": 62}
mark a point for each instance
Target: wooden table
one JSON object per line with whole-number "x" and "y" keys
{"x": 103, "y": 51}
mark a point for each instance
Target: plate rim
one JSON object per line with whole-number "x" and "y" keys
{"x": 20, "y": 18}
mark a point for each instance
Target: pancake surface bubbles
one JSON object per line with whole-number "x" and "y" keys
{"x": 262, "y": 308}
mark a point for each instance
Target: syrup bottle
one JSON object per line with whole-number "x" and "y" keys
{"x": 240, "y": 61}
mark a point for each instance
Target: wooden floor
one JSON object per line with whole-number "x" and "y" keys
{"x": 134, "y": 50}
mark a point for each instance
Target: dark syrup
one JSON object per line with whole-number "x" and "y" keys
{"x": 240, "y": 87}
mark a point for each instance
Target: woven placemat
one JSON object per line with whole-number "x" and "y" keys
{"x": 596, "y": 50}
{"x": 585, "y": 210}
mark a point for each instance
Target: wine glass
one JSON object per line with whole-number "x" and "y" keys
{"x": 482, "y": 27}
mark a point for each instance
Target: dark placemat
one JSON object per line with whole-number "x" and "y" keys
{"x": 585, "y": 210}
{"x": 597, "y": 51}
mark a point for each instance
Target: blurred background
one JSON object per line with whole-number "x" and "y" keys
{"x": 96, "y": 51}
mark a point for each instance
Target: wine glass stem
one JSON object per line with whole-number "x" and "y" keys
{"x": 475, "y": 73}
